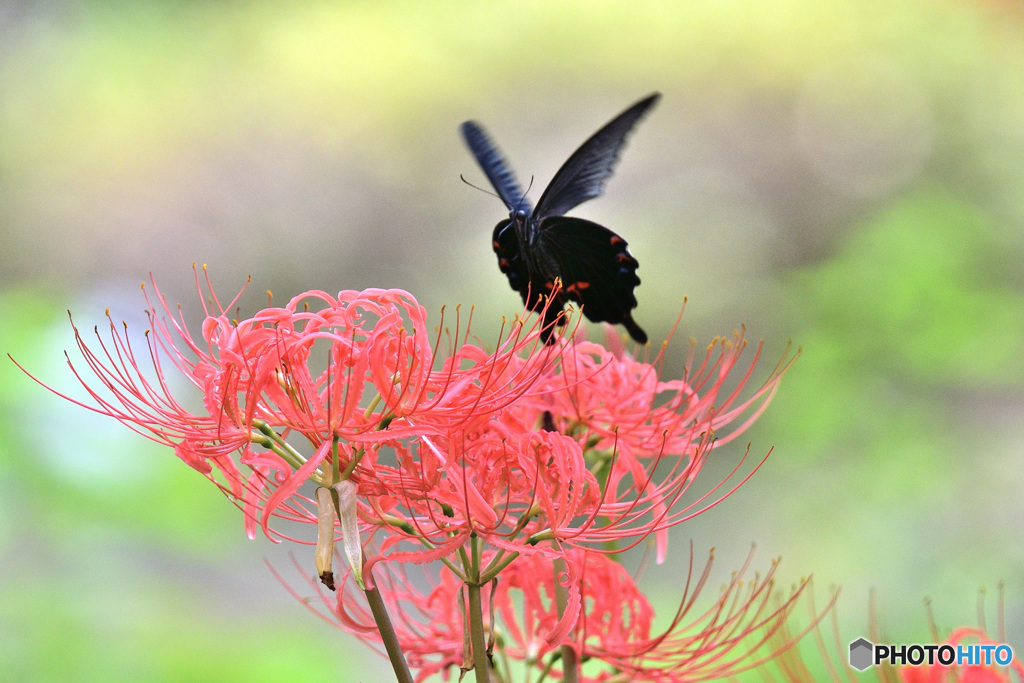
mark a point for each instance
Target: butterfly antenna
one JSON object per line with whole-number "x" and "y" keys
{"x": 477, "y": 187}
{"x": 523, "y": 198}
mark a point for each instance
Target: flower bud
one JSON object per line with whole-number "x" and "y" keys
{"x": 346, "y": 491}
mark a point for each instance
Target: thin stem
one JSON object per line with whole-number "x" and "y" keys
{"x": 275, "y": 446}
{"x": 388, "y": 635}
{"x": 471, "y": 561}
{"x": 335, "y": 464}
{"x": 547, "y": 667}
{"x": 273, "y": 441}
{"x": 499, "y": 562}
{"x": 570, "y": 665}
{"x": 476, "y": 631}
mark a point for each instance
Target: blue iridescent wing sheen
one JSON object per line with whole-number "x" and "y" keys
{"x": 494, "y": 166}
{"x": 584, "y": 174}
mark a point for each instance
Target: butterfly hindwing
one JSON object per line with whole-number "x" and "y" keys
{"x": 595, "y": 267}
{"x": 584, "y": 174}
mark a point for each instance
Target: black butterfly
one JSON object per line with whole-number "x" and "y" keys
{"x": 536, "y": 246}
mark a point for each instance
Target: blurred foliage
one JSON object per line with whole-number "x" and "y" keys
{"x": 845, "y": 174}
{"x": 913, "y": 325}
{"x": 918, "y": 298}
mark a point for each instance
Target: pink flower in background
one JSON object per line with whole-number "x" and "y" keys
{"x": 738, "y": 630}
{"x": 616, "y": 628}
{"x": 967, "y": 673}
{"x": 832, "y": 650}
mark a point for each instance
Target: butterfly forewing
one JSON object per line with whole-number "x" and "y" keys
{"x": 494, "y": 165}
{"x": 584, "y": 174}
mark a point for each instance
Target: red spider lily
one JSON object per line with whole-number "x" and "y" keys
{"x": 615, "y": 626}
{"x": 261, "y": 387}
{"x": 594, "y": 450}
{"x": 792, "y": 667}
{"x": 612, "y": 636}
{"x": 204, "y": 440}
{"x": 510, "y": 463}
{"x": 532, "y": 448}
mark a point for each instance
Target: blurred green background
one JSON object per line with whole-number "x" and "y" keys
{"x": 845, "y": 175}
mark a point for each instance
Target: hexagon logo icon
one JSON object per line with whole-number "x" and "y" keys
{"x": 861, "y": 654}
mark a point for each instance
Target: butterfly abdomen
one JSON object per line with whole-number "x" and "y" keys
{"x": 510, "y": 258}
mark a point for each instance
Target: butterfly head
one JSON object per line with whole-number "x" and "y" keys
{"x": 518, "y": 215}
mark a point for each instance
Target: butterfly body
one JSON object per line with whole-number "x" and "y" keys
{"x": 545, "y": 254}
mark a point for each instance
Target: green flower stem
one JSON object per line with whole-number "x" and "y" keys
{"x": 275, "y": 447}
{"x": 399, "y": 524}
{"x": 351, "y": 467}
{"x": 471, "y": 562}
{"x": 388, "y": 635}
{"x": 411, "y": 531}
{"x": 547, "y": 668}
{"x": 500, "y": 561}
{"x": 476, "y": 631}
{"x": 545, "y": 535}
{"x": 570, "y": 665}
{"x": 275, "y": 443}
{"x": 335, "y": 464}
{"x": 374, "y": 402}
{"x": 534, "y": 511}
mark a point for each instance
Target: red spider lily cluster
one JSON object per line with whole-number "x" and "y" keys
{"x": 516, "y": 473}
{"x": 741, "y": 629}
